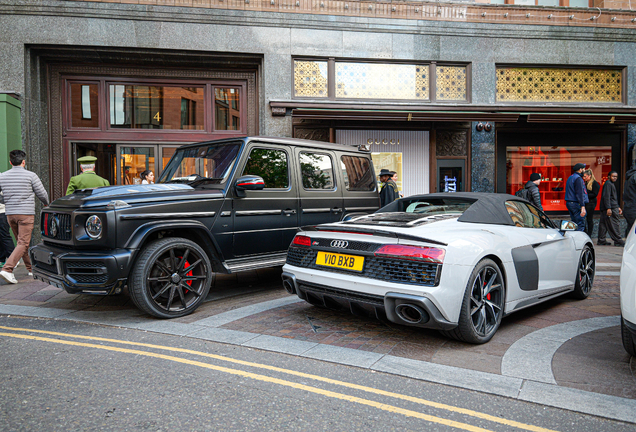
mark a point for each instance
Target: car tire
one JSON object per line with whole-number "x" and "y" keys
{"x": 482, "y": 305}
{"x": 171, "y": 278}
{"x": 584, "y": 274}
{"x": 628, "y": 339}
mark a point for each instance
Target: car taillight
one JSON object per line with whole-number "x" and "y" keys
{"x": 423, "y": 253}
{"x": 302, "y": 240}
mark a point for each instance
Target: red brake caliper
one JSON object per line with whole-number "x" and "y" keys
{"x": 185, "y": 266}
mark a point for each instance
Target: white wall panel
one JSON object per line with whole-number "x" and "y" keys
{"x": 414, "y": 146}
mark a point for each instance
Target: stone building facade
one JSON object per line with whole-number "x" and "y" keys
{"x": 468, "y": 96}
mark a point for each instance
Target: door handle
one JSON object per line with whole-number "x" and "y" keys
{"x": 336, "y": 210}
{"x": 289, "y": 212}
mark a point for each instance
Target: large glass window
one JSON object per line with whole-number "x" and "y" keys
{"x": 84, "y": 105}
{"x": 357, "y": 173}
{"x": 572, "y": 85}
{"x": 381, "y": 81}
{"x": 228, "y": 109}
{"x": 156, "y": 107}
{"x": 316, "y": 170}
{"x": 341, "y": 79}
{"x": 271, "y": 165}
{"x": 554, "y": 164}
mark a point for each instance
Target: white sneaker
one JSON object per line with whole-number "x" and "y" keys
{"x": 9, "y": 277}
{"x": 30, "y": 273}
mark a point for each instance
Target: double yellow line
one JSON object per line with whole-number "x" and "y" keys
{"x": 291, "y": 384}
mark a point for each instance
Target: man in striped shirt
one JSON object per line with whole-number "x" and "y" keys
{"x": 19, "y": 188}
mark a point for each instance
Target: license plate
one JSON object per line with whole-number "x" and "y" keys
{"x": 43, "y": 256}
{"x": 341, "y": 261}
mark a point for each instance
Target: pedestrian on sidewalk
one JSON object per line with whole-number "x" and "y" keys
{"x": 576, "y": 196}
{"x": 533, "y": 194}
{"x": 610, "y": 212}
{"x": 629, "y": 198}
{"x": 593, "y": 188}
{"x": 6, "y": 242}
{"x": 19, "y": 188}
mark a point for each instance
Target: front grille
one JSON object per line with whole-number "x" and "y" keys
{"x": 90, "y": 278}
{"x": 56, "y": 225}
{"x": 87, "y": 271}
{"x": 381, "y": 268}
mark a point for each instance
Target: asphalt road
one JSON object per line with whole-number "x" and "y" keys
{"x": 62, "y": 375}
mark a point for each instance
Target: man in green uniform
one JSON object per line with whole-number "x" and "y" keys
{"x": 87, "y": 179}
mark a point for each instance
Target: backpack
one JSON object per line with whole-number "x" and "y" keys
{"x": 523, "y": 193}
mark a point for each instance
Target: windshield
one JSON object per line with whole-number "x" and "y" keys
{"x": 433, "y": 206}
{"x": 205, "y": 164}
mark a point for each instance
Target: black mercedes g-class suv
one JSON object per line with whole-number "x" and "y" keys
{"x": 220, "y": 206}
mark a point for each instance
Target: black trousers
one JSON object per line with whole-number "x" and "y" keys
{"x": 589, "y": 217}
{"x": 6, "y": 242}
{"x": 609, "y": 224}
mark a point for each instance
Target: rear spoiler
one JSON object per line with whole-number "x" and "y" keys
{"x": 369, "y": 231}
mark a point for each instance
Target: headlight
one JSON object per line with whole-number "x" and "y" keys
{"x": 94, "y": 227}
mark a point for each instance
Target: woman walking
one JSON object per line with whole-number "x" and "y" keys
{"x": 593, "y": 188}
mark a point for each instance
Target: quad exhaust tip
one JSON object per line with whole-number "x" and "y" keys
{"x": 410, "y": 313}
{"x": 289, "y": 286}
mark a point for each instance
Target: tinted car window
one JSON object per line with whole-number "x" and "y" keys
{"x": 317, "y": 171}
{"x": 271, "y": 165}
{"x": 526, "y": 216}
{"x": 357, "y": 173}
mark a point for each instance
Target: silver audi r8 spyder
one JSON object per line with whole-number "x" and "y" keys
{"x": 456, "y": 262}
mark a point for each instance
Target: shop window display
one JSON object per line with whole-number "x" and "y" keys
{"x": 555, "y": 166}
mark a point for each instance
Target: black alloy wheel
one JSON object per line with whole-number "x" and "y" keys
{"x": 483, "y": 305}
{"x": 584, "y": 274}
{"x": 171, "y": 278}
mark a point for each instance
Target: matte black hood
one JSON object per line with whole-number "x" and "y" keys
{"x": 128, "y": 193}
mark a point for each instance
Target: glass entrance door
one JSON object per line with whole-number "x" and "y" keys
{"x": 450, "y": 175}
{"x": 133, "y": 159}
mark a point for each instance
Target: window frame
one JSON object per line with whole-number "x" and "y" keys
{"x": 432, "y": 71}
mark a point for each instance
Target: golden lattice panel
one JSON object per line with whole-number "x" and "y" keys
{"x": 558, "y": 85}
{"x": 450, "y": 83}
{"x": 382, "y": 81}
{"x": 310, "y": 79}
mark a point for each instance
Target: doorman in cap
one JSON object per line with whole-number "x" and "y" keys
{"x": 87, "y": 179}
{"x": 388, "y": 190}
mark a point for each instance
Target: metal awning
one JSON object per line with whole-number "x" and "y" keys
{"x": 338, "y": 110}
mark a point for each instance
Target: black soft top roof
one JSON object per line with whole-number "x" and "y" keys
{"x": 487, "y": 208}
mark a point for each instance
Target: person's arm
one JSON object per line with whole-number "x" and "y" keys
{"x": 38, "y": 189}
{"x": 536, "y": 197}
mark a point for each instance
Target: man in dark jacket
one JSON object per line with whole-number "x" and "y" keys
{"x": 387, "y": 192}
{"x": 534, "y": 196}
{"x": 576, "y": 196}
{"x": 609, "y": 212}
{"x": 629, "y": 198}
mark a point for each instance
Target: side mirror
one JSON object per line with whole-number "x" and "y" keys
{"x": 568, "y": 226}
{"x": 248, "y": 182}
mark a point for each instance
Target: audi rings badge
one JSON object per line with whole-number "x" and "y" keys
{"x": 342, "y": 244}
